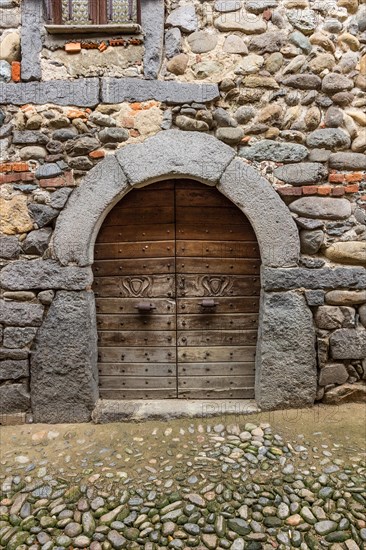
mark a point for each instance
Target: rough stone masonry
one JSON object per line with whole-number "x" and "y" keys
{"x": 280, "y": 83}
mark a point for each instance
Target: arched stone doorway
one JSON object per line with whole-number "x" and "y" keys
{"x": 177, "y": 284}
{"x": 285, "y": 358}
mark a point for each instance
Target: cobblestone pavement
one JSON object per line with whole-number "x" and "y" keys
{"x": 291, "y": 479}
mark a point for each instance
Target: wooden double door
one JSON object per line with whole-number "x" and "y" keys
{"x": 177, "y": 294}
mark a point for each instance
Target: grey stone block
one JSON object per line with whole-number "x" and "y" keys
{"x": 329, "y": 138}
{"x": 42, "y": 214}
{"x": 9, "y": 247}
{"x": 173, "y": 46}
{"x": 270, "y": 217}
{"x": 44, "y": 274}
{"x": 348, "y": 343}
{"x": 301, "y": 173}
{"x": 12, "y": 370}
{"x": 175, "y": 154}
{"x": 31, "y": 39}
{"x": 64, "y": 384}
{"x": 152, "y": 21}
{"x": 14, "y": 398}
{"x": 29, "y": 137}
{"x": 322, "y": 207}
{"x": 277, "y": 151}
{"x": 20, "y": 314}
{"x": 286, "y": 361}
{"x": 335, "y": 373}
{"x": 18, "y": 337}
{"x": 83, "y": 92}
{"x": 322, "y": 279}
{"x": 347, "y": 161}
{"x": 115, "y": 90}
{"x": 37, "y": 241}
{"x": 332, "y": 317}
{"x": 17, "y": 354}
{"x": 314, "y": 297}
{"x": 77, "y": 226}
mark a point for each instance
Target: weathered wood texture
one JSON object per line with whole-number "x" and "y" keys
{"x": 169, "y": 246}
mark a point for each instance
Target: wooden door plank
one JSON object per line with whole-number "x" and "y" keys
{"x": 217, "y": 338}
{"x": 212, "y": 232}
{"x": 201, "y": 197}
{"x": 220, "y": 393}
{"x": 218, "y": 322}
{"x": 108, "y": 268}
{"x": 212, "y": 214}
{"x": 218, "y": 353}
{"x": 147, "y": 197}
{"x": 136, "y": 233}
{"x": 138, "y": 369}
{"x": 218, "y": 249}
{"x": 217, "y": 266}
{"x": 152, "y": 394}
{"x": 223, "y": 305}
{"x": 136, "y": 355}
{"x": 136, "y": 338}
{"x": 128, "y": 305}
{"x": 144, "y": 286}
{"x": 140, "y": 216}
{"x": 137, "y": 382}
{"x": 216, "y": 369}
{"x": 136, "y": 322}
{"x": 216, "y": 382}
{"x": 144, "y": 249}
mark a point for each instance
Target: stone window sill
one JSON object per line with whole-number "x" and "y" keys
{"x": 127, "y": 28}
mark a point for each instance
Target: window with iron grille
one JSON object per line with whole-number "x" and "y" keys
{"x": 92, "y": 12}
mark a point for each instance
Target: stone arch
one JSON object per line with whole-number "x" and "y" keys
{"x": 175, "y": 154}
{"x": 285, "y": 359}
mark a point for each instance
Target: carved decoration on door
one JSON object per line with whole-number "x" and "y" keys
{"x": 215, "y": 286}
{"x": 137, "y": 286}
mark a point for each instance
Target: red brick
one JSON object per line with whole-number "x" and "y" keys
{"x": 134, "y": 133}
{"x": 15, "y": 71}
{"x": 267, "y": 14}
{"x": 338, "y": 191}
{"x": 13, "y": 177}
{"x": 290, "y": 191}
{"x": 324, "y": 190}
{"x": 14, "y": 167}
{"x": 97, "y": 154}
{"x": 310, "y": 189}
{"x": 363, "y": 198}
{"x": 66, "y": 180}
{"x": 73, "y": 47}
{"x": 336, "y": 178}
{"x": 127, "y": 122}
{"x": 354, "y": 176}
{"x": 352, "y": 188}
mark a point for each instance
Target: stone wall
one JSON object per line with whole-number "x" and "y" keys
{"x": 282, "y": 82}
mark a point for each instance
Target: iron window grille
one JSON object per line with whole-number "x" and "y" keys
{"x": 92, "y": 12}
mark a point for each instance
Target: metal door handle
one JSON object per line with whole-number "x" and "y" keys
{"x": 145, "y": 306}
{"x": 208, "y": 303}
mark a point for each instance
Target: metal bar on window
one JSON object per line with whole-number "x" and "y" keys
{"x": 130, "y": 9}
{"x": 70, "y": 10}
{"x": 110, "y": 10}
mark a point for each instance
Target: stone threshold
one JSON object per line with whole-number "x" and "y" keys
{"x": 107, "y": 411}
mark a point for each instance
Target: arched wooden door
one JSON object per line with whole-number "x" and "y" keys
{"x": 177, "y": 293}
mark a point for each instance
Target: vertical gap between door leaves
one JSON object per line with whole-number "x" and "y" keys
{"x": 176, "y": 290}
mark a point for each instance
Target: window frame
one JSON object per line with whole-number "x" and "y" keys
{"x": 98, "y": 15}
